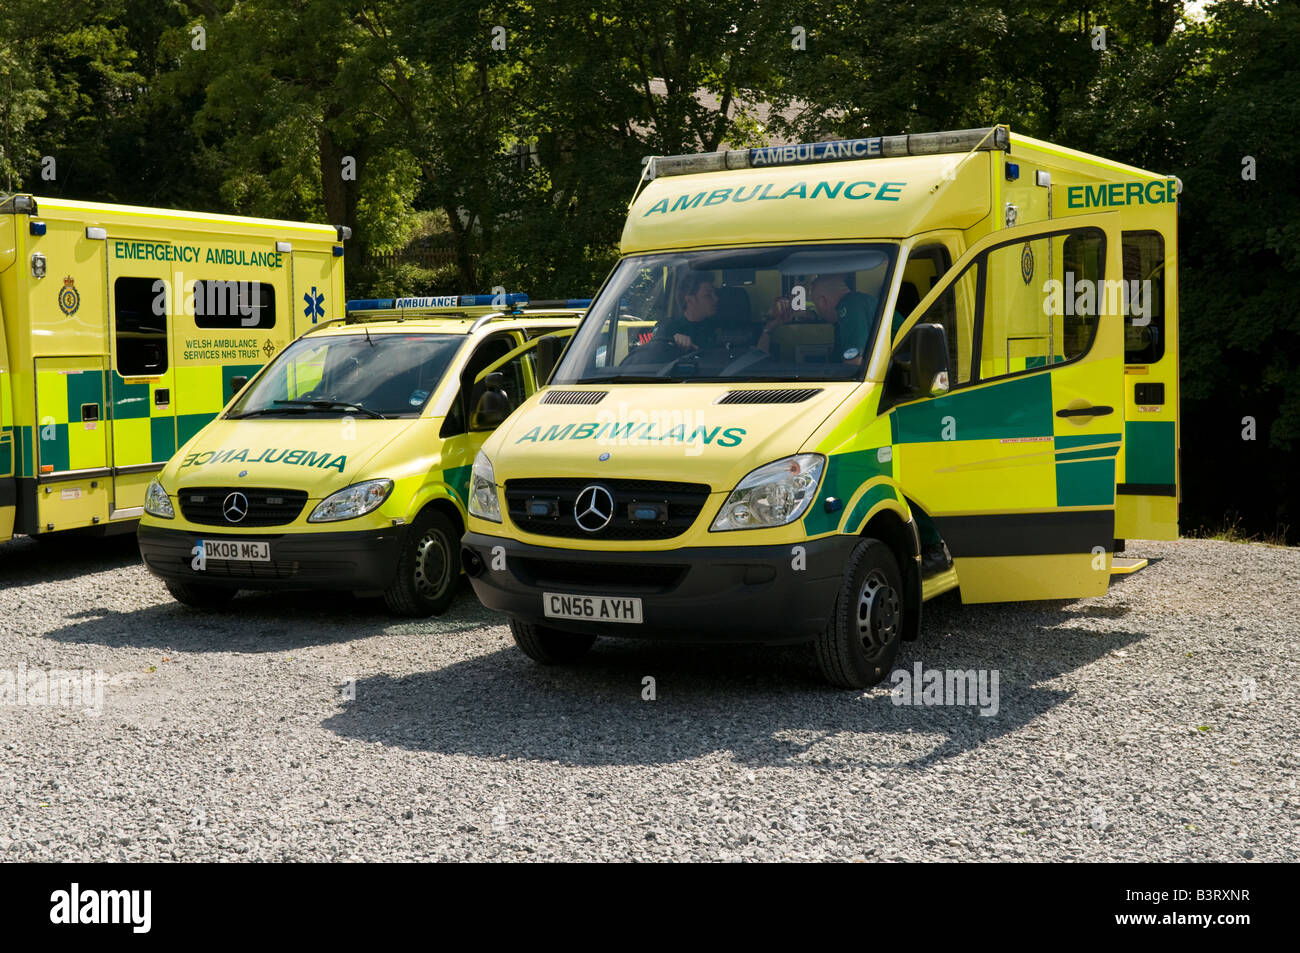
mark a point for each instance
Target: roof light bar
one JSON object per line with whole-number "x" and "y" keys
{"x": 838, "y": 150}
{"x": 446, "y": 301}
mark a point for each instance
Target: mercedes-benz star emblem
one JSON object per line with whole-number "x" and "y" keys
{"x": 594, "y": 508}
{"x": 235, "y": 507}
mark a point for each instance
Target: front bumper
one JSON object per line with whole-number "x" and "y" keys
{"x": 364, "y": 560}
{"x": 781, "y": 593}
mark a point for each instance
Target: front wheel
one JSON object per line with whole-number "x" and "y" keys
{"x": 549, "y": 646}
{"x": 861, "y": 637}
{"x": 427, "y": 572}
{"x": 198, "y": 596}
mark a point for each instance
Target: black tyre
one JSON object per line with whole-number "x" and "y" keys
{"x": 861, "y": 638}
{"x": 427, "y": 569}
{"x": 549, "y": 646}
{"x": 198, "y": 596}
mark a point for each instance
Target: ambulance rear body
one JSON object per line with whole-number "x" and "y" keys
{"x": 122, "y": 333}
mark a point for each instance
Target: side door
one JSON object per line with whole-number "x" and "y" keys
{"x": 313, "y": 296}
{"x": 1015, "y": 465}
{"x": 1148, "y": 493}
{"x": 142, "y": 375}
{"x": 516, "y": 360}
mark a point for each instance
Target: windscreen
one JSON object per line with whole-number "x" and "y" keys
{"x": 365, "y": 375}
{"x": 778, "y": 313}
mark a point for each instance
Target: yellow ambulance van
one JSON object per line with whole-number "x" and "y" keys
{"x": 345, "y": 463}
{"x": 881, "y": 369}
{"x": 123, "y": 331}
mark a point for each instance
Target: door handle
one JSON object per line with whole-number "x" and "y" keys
{"x": 1099, "y": 411}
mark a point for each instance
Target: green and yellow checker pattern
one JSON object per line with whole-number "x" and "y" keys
{"x": 203, "y": 390}
{"x": 9, "y": 435}
{"x": 70, "y": 414}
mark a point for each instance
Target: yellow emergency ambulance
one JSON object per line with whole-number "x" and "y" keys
{"x": 345, "y": 463}
{"x": 882, "y": 369}
{"x": 123, "y": 332}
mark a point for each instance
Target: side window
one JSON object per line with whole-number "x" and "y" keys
{"x": 1039, "y": 301}
{"x": 234, "y": 304}
{"x": 493, "y": 349}
{"x": 1144, "y": 281}
{"x": 140, "y": 309}
{"x": 954, "y": 309}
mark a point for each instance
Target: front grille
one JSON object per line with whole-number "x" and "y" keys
{"x": 608, "y": 577}
{"x": 682, "y": 503}
{"x": 770, "y": 396}
{"x": 574, "y": 396}
{"x": 206, "y": 505}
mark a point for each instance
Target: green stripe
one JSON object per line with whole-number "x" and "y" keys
{"x": 1086, "y": 483}
{"x": 877, "y": 494}
{"x": 1088, "y": 454}
{"x": 54, "y": 446}
{"x": 162, "y": 438}
{"x": 458, "y": 479}
{"x": 845, "y": 472}
{"x": 1016, "y": 408}
{"x": 1149, "y": 452}
{"x": 1065, "y": 441}
{"x": 85, "y": 388}
{"x": 187, "y": 425}
{"x": 129, "y": 400}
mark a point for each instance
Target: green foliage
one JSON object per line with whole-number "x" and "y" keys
{"x": 516, "y": 150}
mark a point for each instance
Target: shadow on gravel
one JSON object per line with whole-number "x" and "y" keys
{"x": 765, "y": 705}
{"x": 263, "y": 622}
{"x": 36, "y": 562}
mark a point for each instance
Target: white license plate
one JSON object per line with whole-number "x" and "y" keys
{"x": 558, "y": 605}
{"x": 237, "y": 549}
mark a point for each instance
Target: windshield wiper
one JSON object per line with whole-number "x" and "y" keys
{"x": 267, "y": 411}
{"x": 631, "y": 379}
{"x": 333, "y": 405}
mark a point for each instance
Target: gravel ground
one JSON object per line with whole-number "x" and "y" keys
{"x": 1125, "y": 730}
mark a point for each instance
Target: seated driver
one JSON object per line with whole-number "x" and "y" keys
{"x": 849, "y": 311}
{"x": 697, "y": 325}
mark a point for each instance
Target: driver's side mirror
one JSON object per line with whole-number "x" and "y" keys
{"x": 929, "y": 377}
{"x": 493, "y": 406}
{"x": 237, "y": 384}
{"x": 919, "y": 368}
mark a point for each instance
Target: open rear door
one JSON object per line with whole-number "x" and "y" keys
{"x": 1015, "y": 465}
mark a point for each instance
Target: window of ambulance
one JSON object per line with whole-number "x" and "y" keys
{"x": 783, "y": 313}
{"x": 367, "y": 375}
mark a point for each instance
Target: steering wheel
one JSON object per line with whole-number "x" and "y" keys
{"x": 747, "y": 360}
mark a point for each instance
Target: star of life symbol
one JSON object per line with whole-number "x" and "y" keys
{"x": 315, "y": 304}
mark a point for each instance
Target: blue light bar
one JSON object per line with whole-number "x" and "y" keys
{"x": 444, "y": 301}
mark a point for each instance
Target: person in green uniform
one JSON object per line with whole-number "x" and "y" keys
{"x": 850, "y": 311}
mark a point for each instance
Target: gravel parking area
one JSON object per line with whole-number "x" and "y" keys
{"x": 1156, "y": 723}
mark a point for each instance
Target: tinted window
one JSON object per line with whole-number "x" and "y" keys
{"x": 140, "y": 309}
{"x": 234, "y": 304}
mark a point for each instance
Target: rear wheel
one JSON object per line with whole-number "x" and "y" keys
{"x": 861, "y": 637}
{"x": 427, "y": 571}
{"x": 549, "y": 646}
{"x": 198, "y": 596}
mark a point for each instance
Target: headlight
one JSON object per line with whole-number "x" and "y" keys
{"x": 773, "y": 495}
{"x": 351, "y": 501}
{"x": 483, "y": 501}
{"x": 157, "y": 502}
